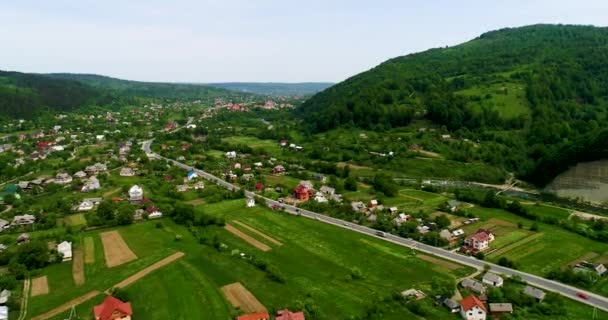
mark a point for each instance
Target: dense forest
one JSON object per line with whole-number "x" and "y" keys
{"x": 152, "y": 89}
{"x": 275, "y": 88}
{"x": 26, "y": 95}
{"x": 539, "y": 92}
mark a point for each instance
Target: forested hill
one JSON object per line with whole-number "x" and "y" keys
{"x": 275, "y": 88}
{"x": 544, "y": 85}
{"x": 24, "y": 95}
{"x": 152, "y": 89}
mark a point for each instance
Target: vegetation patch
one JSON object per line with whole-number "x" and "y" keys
{"x": 75, "y": 220}
{"x": 78, "y": 267}
{"x": 89, "y": 250}
{"x": 261, "y": 234}
{"x": 514, "y": 245}
{"x": 440, "y": 262}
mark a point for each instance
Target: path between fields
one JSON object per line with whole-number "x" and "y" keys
{"x": 142, "y": 273}
{"x": 259, "y": 233}
{"x": 24, "y": 299}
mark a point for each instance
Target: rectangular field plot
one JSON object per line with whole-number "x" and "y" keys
{"x": 240, "y": 297}
{"x": 115, "y": 249}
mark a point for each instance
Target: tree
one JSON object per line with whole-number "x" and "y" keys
{"x": 350, "y": 184}
{"x": 124, "y": 216}
{"x": 183, "y": 213}
{"x": 120, "y": 294}
{"x": 442, "y": 221}
{"x": 33, "y": 255}
{"x": 105, "y": 211}
{"x": 534, "y": 227}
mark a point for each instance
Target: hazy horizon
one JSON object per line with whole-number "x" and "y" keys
{"x": 209, "y": 41}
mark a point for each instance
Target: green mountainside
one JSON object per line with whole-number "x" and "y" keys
{"x": 25, "y": 95}
{"x": 536, "y": 95}
{"x": 151, "y": 89}
{"x": 275, "y": 88}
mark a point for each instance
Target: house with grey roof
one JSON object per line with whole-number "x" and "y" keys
{"x": 492, "y": 279}
{"x": 535, "y": 293}
{"x": 473, "y": 285}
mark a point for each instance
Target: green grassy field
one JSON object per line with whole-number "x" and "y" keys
{"x": 507, "y": 98}
{"x": 75, "y": 220}
{"x": 548, "y": 211}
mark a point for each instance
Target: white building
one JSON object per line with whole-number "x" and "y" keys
{"x": 492, "y": 279}
{"x": 250, "y": 202}
{"x": 472, "y": 308}
{"x": 136, "y": 193}
{"x": 86, "y": 206}
{"x": 65, "y": 249}
{"x": 231, "y": 154}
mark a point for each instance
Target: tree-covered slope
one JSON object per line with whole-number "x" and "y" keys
{"x": 24, "y": 95}
{"x": 151, "y": 89}
{"x": 275, "y": 88}
{"x": 542, "y": 87}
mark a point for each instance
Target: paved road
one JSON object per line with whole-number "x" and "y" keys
{"x": 594, "y": 300}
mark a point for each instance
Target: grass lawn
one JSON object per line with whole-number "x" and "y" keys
{"x": 253, "y": 142}
{"x": 548, "y": 211}
{"x": 75, "y": 220}
{"x": 285, "y": 180}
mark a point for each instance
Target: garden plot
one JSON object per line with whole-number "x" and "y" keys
{"x": 239, "y": 297}
{"x": 252, "y": 241}
{"x": 116, "y": 250}
{"x": 40, "y": 286}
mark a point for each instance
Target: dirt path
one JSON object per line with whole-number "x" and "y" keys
{"x": 66, "y": 306}
{"x": 24, "y": 299}
{"x": 269, "y": 238}
{"x": 247, "y": 238}
{"x": 146, "y": 271}
{"x": 111, "y": 192}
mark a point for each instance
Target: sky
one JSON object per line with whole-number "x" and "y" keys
{"x": 253, "y": 40}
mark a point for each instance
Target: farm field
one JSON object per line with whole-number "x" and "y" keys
{"x": 253, "y": 142}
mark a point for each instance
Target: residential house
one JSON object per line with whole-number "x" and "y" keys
{"x": 257, "y": 164}
{"x": 231, "y": 154}
{"x": 278, "y": 169}
{"x": 127, "y": 172}
{"x": 336, "y": 198}
{"x": 96, "y": 168}
{"x": 423, "y": 229}
{"x": 373, "y": 203}
{"x": 90, "y": 184}
{"x": 327, "y": 190}
{"x": 492, "y": 279}
{"x": 182, "y": 188}
{"x": 4, "y": 296}
{"x": 4, "y": 224}
{"x": 413, "y": 294}
{"x": 2, "y": 247}
{"x": 153, "y": 213}
{"x": 255, "y": 316}
{"x": 453, "y": 205}
{"x": 136, "y": 193}
{"x": 452, "y": 305}
{"x": 199, "y": 185}
{"x": 113, "y": 309}
{"x": 320, "y": 198}
{"x": 25, "y": 219}
{"x": 585, "y": 266}
{"x": 401, "y": 218}
{"x": 3, "y": 313}
{"x": 24, "y": 185}
{"x": 191, "y": 175}
{"x": 447, "y": 235}
{"x": 80, "y": 174}
{"x": 85, "y": 206}
{"x": 473, "y": 285}
{"x": 250, "y": 203}
{"x": 321, "y": 178}
{"x": 259, "y": 187}
{"x": 237, "y": 166}
{"x": 471, "y": 308}
{"x": 497, "y": 309}
{"x": 535, "y": 293}
{"x": 100, "y": 137}
{"x": 357, "y": 206}
{"x": 479, "y": 241}
{"x": 303, "y": 191}
{"x": 22, "y": 238}
{"x": 63, "y": 178}
{"x": 288, "y": 315}
{"x": 458, "y": 232}
{"x": 392, "y": 210}
{"x": 65, "y": 250}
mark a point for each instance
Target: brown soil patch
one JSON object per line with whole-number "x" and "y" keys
{"x": 146, "y": 271}
{"x": 428, "y": 153}
{"x": 516, "y": 244}
{"x": 40, "y": 286}
{"x": 498, "y": 222}
{"x": 352, "y": 166}
{"x": 115, "y": 249}
{"x": 111, "y": 192}
{"x": 66, "y": 306}
{"x": 240, "y": 297}
{"x": 586, "y": 257}
{"x": 263, "y": 235}
{"x": 89, "y": 250}
{"x": 196, "y": 202}
{"x": 78, "y": 267}
{"x": 247, "y": 238}
{"x": 439, "y": 262}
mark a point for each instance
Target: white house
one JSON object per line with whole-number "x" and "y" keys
{"x": 320, "y": 198}
{"x": 80, "y": 174}
{"x": 127, "y": 172}
{"x": 231, "y": 154}
{"x": 24, "y": 219}
{"x": 4, "y": 296}
{"x": 471, "y": 308}
{"x": 65, "y": 249}
{"x": 154, "y": 213}
{"x": 3, "y": 313}
{"x": 100, "y": 137}
{"x": 63, "y": 178}
{"x": 91, "y": 184}
{"x": 136, "y": 193}
{"x": 492, "y": 279}
{"x": 250, "y": 202}
{"x": 86, "y": 206}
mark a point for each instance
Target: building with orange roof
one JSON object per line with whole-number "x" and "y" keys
{"x": 113, "y": 309}
{"x": 471, "y": 308}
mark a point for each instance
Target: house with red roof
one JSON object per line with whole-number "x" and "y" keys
{"x": 471, "y": 308}
{"x": 302, "y": 192}
{"x": 288, "y": 315}
{"x": 255, "y": 316}
{"x": 259, "y": 187}
{"x": 113, "y": 309}
{"x": 479, "y": 241}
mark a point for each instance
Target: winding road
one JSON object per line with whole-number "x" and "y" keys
{"x": 571, "y": 292}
